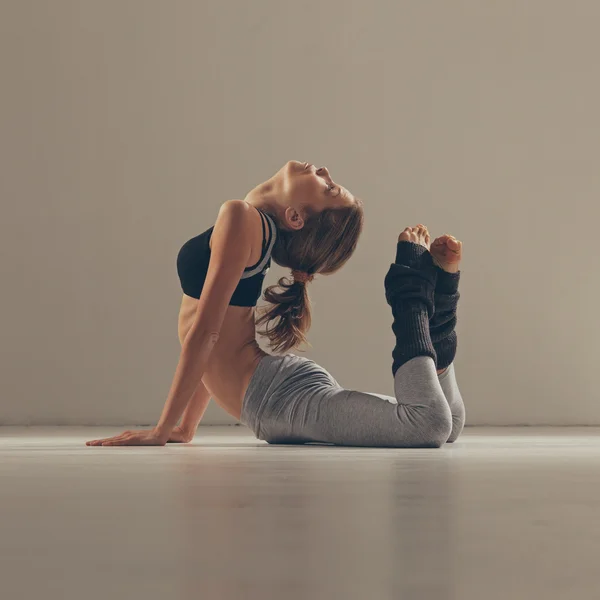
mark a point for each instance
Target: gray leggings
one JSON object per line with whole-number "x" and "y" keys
{"x": 292, "y": 400}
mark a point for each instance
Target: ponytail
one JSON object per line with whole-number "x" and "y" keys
{"x": 325, "y": 243}
{"x": 291, "y": 310}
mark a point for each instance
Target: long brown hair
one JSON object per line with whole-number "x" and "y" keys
{"x": 323, "y": 246}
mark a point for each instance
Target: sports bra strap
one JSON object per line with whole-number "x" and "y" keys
{"x": 264, "y": 236}
{"x": 267, "y": 246}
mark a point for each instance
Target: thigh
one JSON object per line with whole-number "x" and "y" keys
{"x": 351, "y": 418}
{"x": 332, "y": 415}
{"x": 383, "y": 397}
{"x": 355, "y": 418}
{"x": 417, "y": 416}
{"x": 310, "y": 408}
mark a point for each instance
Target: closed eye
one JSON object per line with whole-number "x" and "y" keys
{"x": 333, "y": 187}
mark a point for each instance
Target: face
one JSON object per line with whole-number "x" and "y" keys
{"x": 306, "y": 185}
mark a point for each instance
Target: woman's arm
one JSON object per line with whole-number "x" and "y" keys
{"x": 230, "y": 253}
{"x": 192, "y": 415}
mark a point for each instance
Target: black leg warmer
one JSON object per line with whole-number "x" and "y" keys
{"x": 409, "y": 290}
{"x": 443, "y": 322}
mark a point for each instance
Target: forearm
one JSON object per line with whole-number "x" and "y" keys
{"x": 188, "y": 375}
{"x": 194, "y": 411}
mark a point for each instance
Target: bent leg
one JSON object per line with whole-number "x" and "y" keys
{"x": 418, "y": 417}
{"x": 453, "y": 396}
{"x": 442, "y": 327}
{"x": 443, "y": 321}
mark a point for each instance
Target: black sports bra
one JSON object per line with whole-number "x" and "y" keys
{"x": 194, "y": 256}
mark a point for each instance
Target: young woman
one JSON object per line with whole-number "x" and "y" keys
{"x": 305, "y": 221}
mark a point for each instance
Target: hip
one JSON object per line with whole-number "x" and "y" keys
{"x": 277, "y": 388}
{"x": 228, "y": 375}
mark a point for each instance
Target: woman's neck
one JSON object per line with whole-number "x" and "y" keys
{"x": 265, "y": 196}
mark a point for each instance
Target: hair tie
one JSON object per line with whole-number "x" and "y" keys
{"x": 301, "y": 276}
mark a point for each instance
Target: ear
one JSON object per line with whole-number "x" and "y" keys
{"x": 293, "y": 219}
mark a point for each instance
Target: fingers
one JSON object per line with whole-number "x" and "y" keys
{"x": 108, "y": 441}
{"x": 101, "y": 442}
{"x": 129, "y": 438}
{"x": 96, "y": 442}
{"x": 125, "y": 439}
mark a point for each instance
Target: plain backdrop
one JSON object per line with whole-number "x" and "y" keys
{"x": 124, "y": 124}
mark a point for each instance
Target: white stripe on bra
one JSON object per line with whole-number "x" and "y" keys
{"x": 261, "y": 265}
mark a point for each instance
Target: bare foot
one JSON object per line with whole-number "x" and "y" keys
{"x": 447, "y": 253}
{"x": 416, "y": 235}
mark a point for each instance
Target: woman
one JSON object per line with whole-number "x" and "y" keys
{"x": 310, "y": 224}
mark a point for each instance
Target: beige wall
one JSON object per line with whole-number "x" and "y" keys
{"x": 125, "y": 124}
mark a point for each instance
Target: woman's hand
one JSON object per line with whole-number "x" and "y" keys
{"x": 144, "y": 437}
{"x": 179, "y": 436}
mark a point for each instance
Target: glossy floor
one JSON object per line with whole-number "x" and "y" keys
{"x": 501, "y": 514}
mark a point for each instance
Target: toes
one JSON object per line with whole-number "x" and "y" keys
{"x": 454, "y": 244}
{"x": 405, "y": 235}
{"x": 444, "y": 239}
{"x": 417, "y": 234}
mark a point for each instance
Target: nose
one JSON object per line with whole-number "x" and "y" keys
{"x": 324, "y": 172}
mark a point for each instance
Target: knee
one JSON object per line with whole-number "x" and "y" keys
{"x": 457, "y": 408}
{"x": 437, "y": 426}
{"x": 425, "y": 424}
{"x": 436, "y": 439}
{"x": 458, "y": 424}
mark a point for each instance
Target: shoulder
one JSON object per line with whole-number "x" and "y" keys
{"x": 235, "y": 222}
{"x": 235, "y": 209}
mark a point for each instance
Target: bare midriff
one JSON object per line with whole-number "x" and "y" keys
{"x": 234, "y": 358}
{"x": 236, "y": 354}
